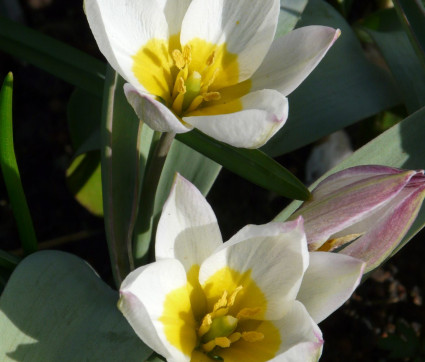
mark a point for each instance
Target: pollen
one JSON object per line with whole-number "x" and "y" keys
{"x": 219, "y": 329}
{"x": 163, "y": 66}
{"x": 191, "y": 83}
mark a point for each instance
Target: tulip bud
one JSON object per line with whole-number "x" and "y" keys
{"x": 363, "y": 211}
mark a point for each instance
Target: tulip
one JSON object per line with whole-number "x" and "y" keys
{"x": 212, "y": 65}
{"x": 257, "y": 297}
{"x": 363, "y": 211}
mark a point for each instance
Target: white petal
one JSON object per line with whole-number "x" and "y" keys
{"x": 328, "y": 282}
{"x": 293, "y": 57}
{"x": 174, "y": 11}
{"x": 187, "y": 229}
{"x": 143, "y": 293}
{"x": 246, "y": 26}
{"x": 301, "y": 337}
{"x": 276, "y": 256}
{"x": 121, "y": 28}
{"x": 264, "y": 113}
{"x": 153, "y": 113}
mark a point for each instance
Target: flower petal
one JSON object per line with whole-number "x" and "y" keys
{"x": 329, "y": 212}
{"x": 329, "y": 281}
{"x": 121, "y": 28}
{"x": 351, "y": 175}
{"x": 293, "y": 57}
{"x": 153, "y": 113}
{"x": 247, "y": 28}
{"x": 270, "y": 262}
{"x": 264, "y": 113}
{"x": 188, "y": 229}
{"x": 143, "y": 300}
{"x": 174, "y": 11}
{"x": 302, "y": 339}
{"x": 387, "y": 228}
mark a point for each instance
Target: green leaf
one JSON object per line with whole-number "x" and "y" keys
{"x": 401, "y": 146}
{"x": 125, "y": 147}
{"x": 412, "y": 16}
{"x": 55, "y": 57}
{"x": 84, "y": 180}
{"x": 344, "y": 88}
{"x": 8, "y": 261}
{"x": 84, "y": 112}
{"x": 253, "y": 165}
{"x": 196, "y": 168}
{"x": 56, "y": 308}
{"x": 11, "y": 175}
{"x": 290, "y": 13}
{"x": 404, "y": 65}
{"x": 83, "y": 176}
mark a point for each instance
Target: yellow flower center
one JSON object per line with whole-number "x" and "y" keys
{"x": 218, "y": 328}
{"x": 191, "y": 87}
{"x": 198, "y": 77}
{"x": 220, "y": 320}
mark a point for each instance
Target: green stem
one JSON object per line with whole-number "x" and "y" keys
{"x": 154, "y": 167}
{"x": 10, "y": 170}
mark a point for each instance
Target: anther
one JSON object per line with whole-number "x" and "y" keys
{"x": 211, "y": 96}
{"x": 252, "y": 336}
{"x": 179, "y": 58}
{"x": 187, "y": 54}
{"x": 211, "y": 58}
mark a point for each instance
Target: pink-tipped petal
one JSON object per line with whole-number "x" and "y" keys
{"x": 155, "y": 114}
{"x": 264, "y": 113}
{"x": 328, "y": 282}
{"x": 347, "y": 203}
{"x": 293, "y": 57}
{"x": 301, "y": 337}
{"x": 388, "y": 228}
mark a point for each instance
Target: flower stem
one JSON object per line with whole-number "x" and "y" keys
{"x": 143, "y": 251}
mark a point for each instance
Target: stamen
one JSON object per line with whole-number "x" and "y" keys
{"x": 252, "y": 336}
{"x": 187, "y": 54}
{"x": 211, "y": 59}
{"x": 332, "y": 244}
{"x": 195, "y": 104}
{"x": 179, "y": 86}
{"x": 221, "y": 303}
{"x": 222, "y": 342}
{"x": 178, "y": 103}
{"x": 235, "y": 337}
{"x": 235, "y": 292}
{"x": 211, "y": 96}
{"x": 209, "y": 346}
{"x": 248, "y": 313}
{"x": 210, "y": 81}
{"x": 179, "y": 58}
{"x": 205, "y": 325}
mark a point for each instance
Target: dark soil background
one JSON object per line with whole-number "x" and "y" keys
{"x": 386, "y": 312}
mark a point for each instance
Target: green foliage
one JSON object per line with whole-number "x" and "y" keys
{"x": 343, "y": 89}
{"x": 53, "y": 56}
{"x": 55, "y": 307}
{"x": 10, "y": 171}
